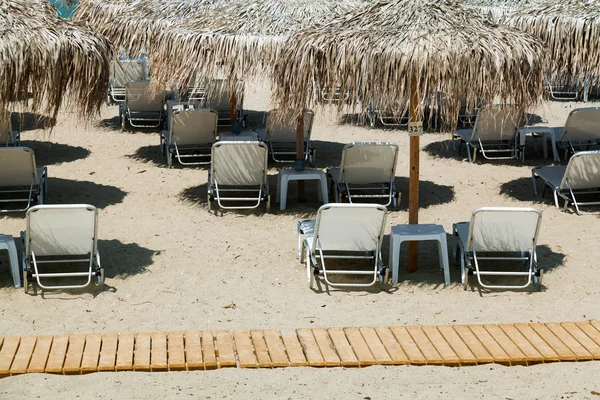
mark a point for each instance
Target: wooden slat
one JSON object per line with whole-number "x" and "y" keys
{"x": 310, "y": 348}
{"x": 531, "y": 354}
{"x": 245, "y": 350}
{"x": 559, "y": 347}
{"x": 327, "y": 348}
{"x": 74, "y": 354}
{"x": 91, "y": 353}
{"x": 40, "y": 354}
{"x": 260, "y": 348}
{"x": 580, "y": 352}
{"x": 344, "y": 350}
{"x": 7, "y": 354}
{"x": 57, "y": 354}
{"x": 293, "y": 348}
{"x": 375, "y": 346}
{"x": 108, "y": 352}
{"x": 176, "y": 351}
{"x": 459, "y": 347}
{"x": 425, "y": 346}
{"x": 536, "y": 341}
{"x": 208, "y": 350}
{"x": 23, "y": 355}
{"x": 391, "y": 346}
{"x": 441, "y": 345}
{"x": 408, "y": 345}
{"x": 142, "y": 351}
{"x": 276, "y": 348}
{"x": 474, "y": 344}
{"x": 225, "y": 349}
{"x": 360, "y": 347}
{"x": 514, "y": 353}
{"x": 193, "y": 351}
{"x": 590, "y": 331}
{"x": 125, "y": 352}
{"x": 582, "y": 338}
{"x": 596, "y": 324}
{"x": 158, "y": 362}
{"x": 492, "y": 347}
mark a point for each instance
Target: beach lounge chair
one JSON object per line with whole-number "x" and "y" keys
{"x": 280, "y": 134}
{"x": 125, "y": 71}
{"x": 581, "y": 131}
{"x": 142, "y": 108}
{"x": 571, "y": 182}
{"x": 219, "y": 100}
{"x": 8, "y": 135}
{"x": 367, "y": 172}
{"x": 190, "y": 137}
{"x": 21, "y": 181}
{"x": 57, "y": 236}
{"x": 196, "y": 90}
{"x": 561, "y": 90}
{"x": 386, "y": 117}
{"x": 499, "y": 234}
{"x": 343, "y": 231}
{"x": 494, "y": 134}
{"x": 238, "y": 174}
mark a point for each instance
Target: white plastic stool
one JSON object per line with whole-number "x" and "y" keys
{"x": 8, "y": 243}
{"x": 286, "y": 175}
{"x": 416, "y": 232}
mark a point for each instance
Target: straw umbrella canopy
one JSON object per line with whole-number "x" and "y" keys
{"x": 54, "y": 60}
{"x": 496, "y": 9}
{"x": 571, "y": 31}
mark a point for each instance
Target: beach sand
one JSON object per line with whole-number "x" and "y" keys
{"x": 172, "y": 265}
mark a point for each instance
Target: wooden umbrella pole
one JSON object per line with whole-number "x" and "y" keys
{"x": 413, "y": 187}
{"x": 233, "y": 107}
{"x": 299, "y": 164}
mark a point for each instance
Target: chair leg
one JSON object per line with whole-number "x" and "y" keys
{"x": 534, "y": 183}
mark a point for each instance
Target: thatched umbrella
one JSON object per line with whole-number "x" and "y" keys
{"x": 57, "y": 61}
{"x": 496, "y": 9}
{"x": 571, "y": 31}
{"x": 396, "y": 49}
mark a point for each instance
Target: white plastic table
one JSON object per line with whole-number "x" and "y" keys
{"x": 244, "y": 136}
{"x": 286, "y": 175}
{"x": 173, "y": 105}
{"x": 418, "y": 232}
{"x": 547, "y": 134}
{"x": 8, "y": 243}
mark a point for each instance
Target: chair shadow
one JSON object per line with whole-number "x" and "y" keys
{"x": 67, "y": 191}
{"x": 521, "y": 189}
{"x": 49, "y": 153}
{"x": 327, "y": 154}
{"x": 29, "y": 121}
{"x": 255, "y": 119}
{"x": 152, "y": 155}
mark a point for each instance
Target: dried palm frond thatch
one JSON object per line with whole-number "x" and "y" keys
{"x": 571, "y": 31}
{"x": 374, "y": 53}
{"x": 496, "y": 9}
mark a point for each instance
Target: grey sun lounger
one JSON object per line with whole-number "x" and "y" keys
{"x": 581, "y": 131}
{"x": 570, "y": 182}
{"x": 280, "y": 135}
{"x": 57, "y": 236}
{"x": 367, "y": 172}
{"x": 499, "y": 234}
{"x": 142, "y": 107}
{"x": 22, "y": 182}
{"x": 125, "y": 71}
{"x": 8, "y": 135}
{"x": 343, "y": 231}
{"x": 218, "y": 99}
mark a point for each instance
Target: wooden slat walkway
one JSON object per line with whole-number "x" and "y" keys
{"x": 458, "y": 345}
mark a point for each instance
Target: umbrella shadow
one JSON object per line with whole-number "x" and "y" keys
{"x": 49, "y": 153}
{"x": 521, "y": 189}
{"x": 152, "y": 155}
{"x": 122, "y": 260}
{"x": 67, "y": 191}
{"x": 430, "y": 193}
{"x": 30, "y": 121}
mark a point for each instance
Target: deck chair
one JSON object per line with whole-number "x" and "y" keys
{"x": 280, "y": 134}
{"x": 220, "y": 102}
{"x": 125, "y": 71}
{"x": 335, "y": 95}
{"x": 142, "y": 107}
{"x": 343, "y": 231}
{"x": 238, "y": 168}
{"x": 562, "y": 91}
{"x": 494, "y": 134}
{"x": 386, "y": 117}
{"x": 196, "y": 90}
{"x": 581, "y": 131}
{"x": 61, "y": 235}
{"x": 190, "y": 137}
{"x": 367, "y": 172}
{"x": 21, "y": 182}
{"x": 570, "y": 182}
{"x": 500, "y": 234}
{"x": 8, "y": 135}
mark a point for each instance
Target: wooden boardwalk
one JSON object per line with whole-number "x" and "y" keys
{"x": 458, "y": 345}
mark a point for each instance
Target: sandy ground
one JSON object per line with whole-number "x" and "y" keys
{"x": 172, "y": 265}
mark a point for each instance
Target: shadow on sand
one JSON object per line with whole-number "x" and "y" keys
{"x": 48, "y": 153}
{"x": 66, "y": 191}
{"x": 29, "y": 122}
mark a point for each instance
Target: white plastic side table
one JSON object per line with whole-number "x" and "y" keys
{"x": 418, "y": 232}
{"x": 8, "y": 243}
{"x": 286, "y": 175}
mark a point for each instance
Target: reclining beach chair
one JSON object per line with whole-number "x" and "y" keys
{"x": 125, "y": 71}
{"x": 190, "y": 137}
{"x": 239, "y": 168}
{"x": 581, "y": 131}
{"x": 281, "y": 137}
{"x": 494, "y": 134}
{"x": 8, "y": 135}
{"x": 500, "y": 234}
{"x": 386, "y": 117}
{"x": 581, "y": 177}
{"x": 58, "y": 236}
{"x": 343, "y": 231}
{"x": 220, "y": 102}
{"x": 21, "y": 181}
{"x": 367, "y": 172}
{"x": 196, "y": 90}
{"x": 142, "y": 108}
{"x": 561, "y": 90}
